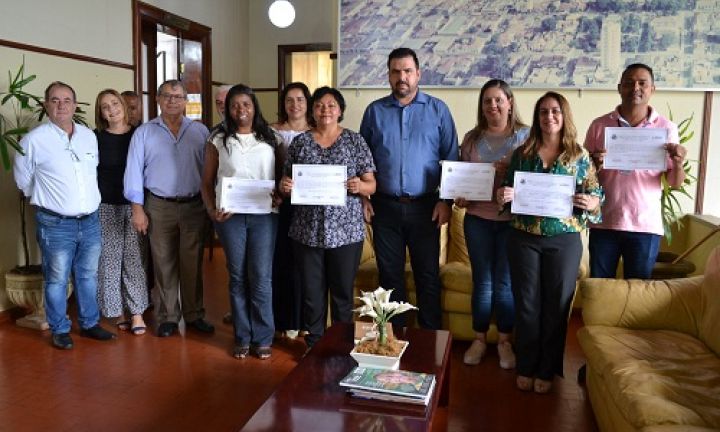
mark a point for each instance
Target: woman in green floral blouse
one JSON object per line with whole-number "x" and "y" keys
{"x": 545, "y": 251}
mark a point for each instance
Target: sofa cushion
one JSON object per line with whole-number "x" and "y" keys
{"x": 656, "y": 376}
{"x": 710, "y": 315}
{"x": 671, "y": 304}
{"x": 456, "y": 276}
{"x": 457, "y": 249}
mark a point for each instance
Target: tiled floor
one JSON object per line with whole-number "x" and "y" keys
{"x": 190, "y": 382}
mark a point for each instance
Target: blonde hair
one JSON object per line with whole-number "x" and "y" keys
{"x": 100, "y": 122}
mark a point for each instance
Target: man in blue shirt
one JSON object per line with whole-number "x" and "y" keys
{"x": 162, "y": 182}
{"x": 409, "y": 132}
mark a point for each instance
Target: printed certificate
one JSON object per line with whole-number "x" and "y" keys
{"x": 245, "y": 196}
{"x": 635, "y": 148}
{"x": 319, "y": 185}
{"x": 469, "y": 180}
{"x": 540, "y": 194}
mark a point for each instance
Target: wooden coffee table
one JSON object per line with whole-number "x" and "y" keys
{"x": 310, "y": 399}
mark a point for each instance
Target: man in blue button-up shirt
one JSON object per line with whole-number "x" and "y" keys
{"x": 162, "y": 182}
{"x": 409, "y": 132}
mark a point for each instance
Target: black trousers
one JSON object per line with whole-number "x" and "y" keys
{"x": 324, "y": 271}
{"x": 399, "y": 225}
{"x": 287, "y": 298}
{"x": 543, "y": 272}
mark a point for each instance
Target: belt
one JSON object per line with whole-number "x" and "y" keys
{"x": 178, "y": 199}
{"x": 406, "y": 198}
{"x": 56, "y": 214}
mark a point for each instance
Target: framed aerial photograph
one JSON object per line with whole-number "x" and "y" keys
{"x": 532, "y": 43}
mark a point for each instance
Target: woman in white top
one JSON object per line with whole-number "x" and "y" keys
{"x": 245, "y": 147}
{"x": 294, "y": 118}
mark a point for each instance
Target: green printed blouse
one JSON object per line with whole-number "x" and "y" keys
{"x": 585, "y": 182}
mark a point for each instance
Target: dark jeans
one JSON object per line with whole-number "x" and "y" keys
{"x": 400, "y": 225}
{"x": 544, "y": 271}
{"x": 487, "y": 248}
{"x": 638, "y": 250}
{"x": 322, "y": 271}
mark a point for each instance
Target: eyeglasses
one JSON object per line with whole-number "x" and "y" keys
{"x": 173, "y": 97}
{"x": 73, "y": 155}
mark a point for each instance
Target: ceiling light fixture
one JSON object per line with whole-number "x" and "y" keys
{"x": 281, "y": 13}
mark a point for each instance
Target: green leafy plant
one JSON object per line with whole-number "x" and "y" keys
{"x": 670, "y": 203}
{"x": 19, "y": 113}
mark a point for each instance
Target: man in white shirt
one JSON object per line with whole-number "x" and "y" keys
{"x": 58, "y": 172}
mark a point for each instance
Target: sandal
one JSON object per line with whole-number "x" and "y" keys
{"x": 542, "y": 386}
{"x": 524, "y": 383}
{"x": 139, "y": 330}
{"x": 241, "y": 351}
{"x": 123, "y": 325}
{"x": 263, "y": 352}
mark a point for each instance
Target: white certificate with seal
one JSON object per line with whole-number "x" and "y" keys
{"x": 319, "y": 185}
{"x": 246, "y": 196}
{"x": 470, "y": 180}
{"x": 540, "y": 194}
{"x": 630, "y": 148}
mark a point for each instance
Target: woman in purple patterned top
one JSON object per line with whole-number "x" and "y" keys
{"x": 328, "y": 239}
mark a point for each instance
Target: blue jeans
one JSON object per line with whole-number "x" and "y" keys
{"x": 249, "y": 242}
{"x": 69, "y": 245}
{"x": 487, "y": 247}
{"x": 638, "y": 250}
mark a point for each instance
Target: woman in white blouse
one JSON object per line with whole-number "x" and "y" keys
{"x": 246, "y": 148}
{"x": 294, "y": 118}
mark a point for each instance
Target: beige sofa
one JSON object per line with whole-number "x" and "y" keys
{"x": 455, "y": 277}
{"x": 653, "y": 352}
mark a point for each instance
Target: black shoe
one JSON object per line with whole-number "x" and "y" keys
{"x": 166, "y": 329}
{"x": 201, "y": 325}
{"x": 98, "y": 333}
{"x": 62, "y": 341}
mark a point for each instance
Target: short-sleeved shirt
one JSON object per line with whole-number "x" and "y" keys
{"x": 586, "y": 180}
{"x": 330, "y": 226}
{"x": 113, "y": 151}
{"x": 482, "y": 151}
{"x": 243, "y": 156}
{"x": 632, "y": 198}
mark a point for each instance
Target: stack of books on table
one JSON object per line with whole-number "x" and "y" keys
{"x": 390, "y": 385}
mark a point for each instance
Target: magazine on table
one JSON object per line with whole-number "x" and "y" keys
{"x": 410, "y": 385}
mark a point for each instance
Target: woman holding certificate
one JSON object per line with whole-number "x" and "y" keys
{"x": 499, "y": 131}
{"x": 241, "y": 161}
{"x": 553, "y": 178}
{"x": 328, "y": 239}
{"x": 294, "y": 119}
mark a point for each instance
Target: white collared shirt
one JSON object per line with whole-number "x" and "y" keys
{"x": 59, "y": 172}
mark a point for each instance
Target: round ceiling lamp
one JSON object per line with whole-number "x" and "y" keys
{"x": 281, "y": 13}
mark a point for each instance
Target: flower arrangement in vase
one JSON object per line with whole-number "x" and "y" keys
{"x": 377, "y": 305}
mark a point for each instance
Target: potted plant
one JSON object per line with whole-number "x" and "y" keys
{"x": 380, "y": 350}
{"x": 665, "y": 265}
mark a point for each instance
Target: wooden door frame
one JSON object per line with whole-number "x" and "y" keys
{"x": 143, "y": 12}
{"x": 285, "y": 50}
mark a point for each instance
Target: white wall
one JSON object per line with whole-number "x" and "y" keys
{"x": 100, "y": 29}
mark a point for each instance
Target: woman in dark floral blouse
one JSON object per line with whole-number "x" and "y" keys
{"x": 328, "y": 239}
{"x": 546, "y": 251}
